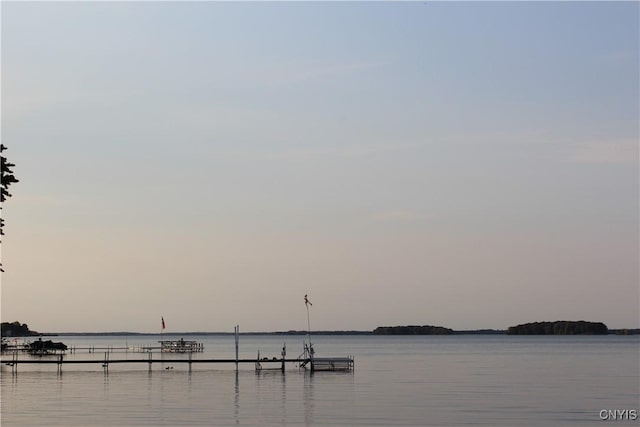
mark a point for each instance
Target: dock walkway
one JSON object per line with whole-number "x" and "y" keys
{"x": 320, "y": 364}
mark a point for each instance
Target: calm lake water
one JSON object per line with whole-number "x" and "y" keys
{"x": 413, "y": 381}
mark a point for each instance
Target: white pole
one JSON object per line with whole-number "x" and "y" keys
{"x": 307, "y": 303}
{"x": 308, "y": 326}
{"x": 308, "y": 322}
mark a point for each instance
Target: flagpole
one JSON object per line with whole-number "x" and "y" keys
{"x": 161, "y": 332}
{"x": 308, "y": 324}
{"x": 307, "y": 303}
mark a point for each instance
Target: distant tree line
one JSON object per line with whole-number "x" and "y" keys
{"x": 412, "y": 330}
{"x": 625, "y": 331}
{"x": 16, "y": 329}
{"x": 561, "y": 327}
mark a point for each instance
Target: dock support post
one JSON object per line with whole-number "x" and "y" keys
{"x": 190, "y": 354}
{"x": 237, "y": 337}
{"x": 105, "y": 364}
{"x": 14, "y": 362}
{"x": 150, "y": 361}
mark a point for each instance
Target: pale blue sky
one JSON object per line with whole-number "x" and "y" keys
{"x": 471, "y": 165}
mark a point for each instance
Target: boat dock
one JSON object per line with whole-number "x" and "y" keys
{"x": 315, "y": 364}
{"x": 172, "y": 352}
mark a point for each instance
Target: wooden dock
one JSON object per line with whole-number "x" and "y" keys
{"x": 318, "y": 364}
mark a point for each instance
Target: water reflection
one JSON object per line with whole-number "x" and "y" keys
{"x": 308, "y": 397}
{"x": 283, "y": 396}
{"x": 271, "y": 396}
{"x": 236, "y": 400}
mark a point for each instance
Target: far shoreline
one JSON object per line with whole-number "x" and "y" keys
{"x": 558, "y": 327}
{"x": 621, "y": 332}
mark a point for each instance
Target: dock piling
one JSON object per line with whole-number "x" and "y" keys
{"x": 237, "y": 338}
{"x": 105, "y": 364}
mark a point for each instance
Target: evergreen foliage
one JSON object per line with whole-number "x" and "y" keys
{"x": 560, "y": 327}
{"x": 6, "y": 179}
{"x": 16, "y": 329}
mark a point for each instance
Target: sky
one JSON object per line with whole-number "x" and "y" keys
{"x": 467, "y": 165}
